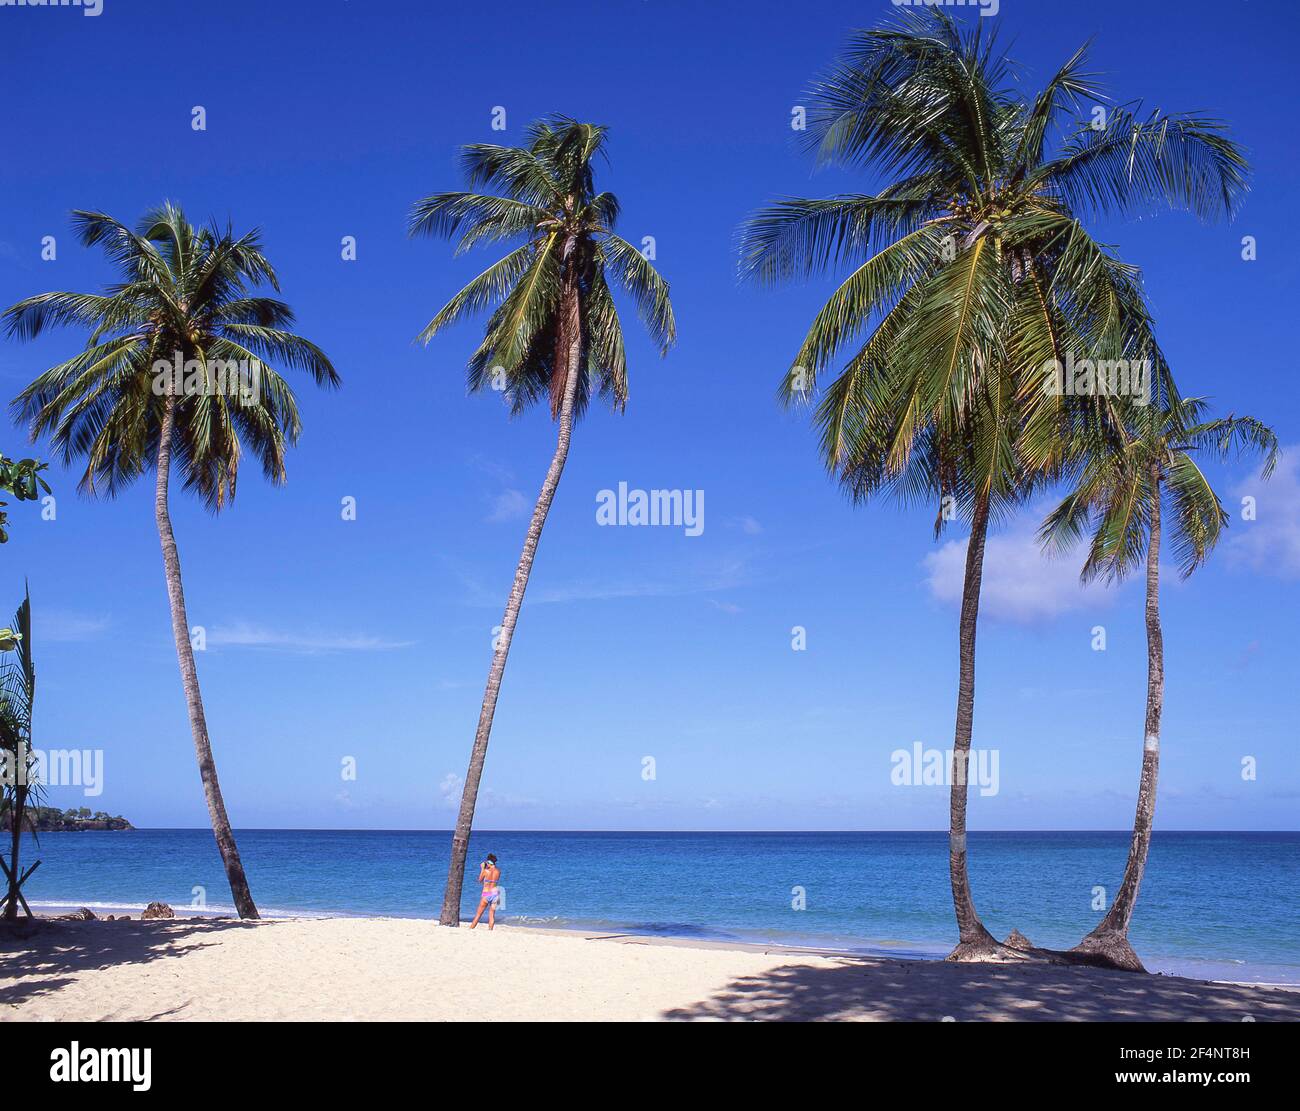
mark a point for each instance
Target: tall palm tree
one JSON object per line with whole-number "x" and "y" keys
{"x": 553, "y": 332}
{"x": 973, "y": 273}
{"x": 185, "y": 299}
{"x": 1137, "y": 479}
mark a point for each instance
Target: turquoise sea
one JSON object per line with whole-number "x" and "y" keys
{"x": 1215, "y": 905}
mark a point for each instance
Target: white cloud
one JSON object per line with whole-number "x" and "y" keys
{"x": 728, "y": 575}
{"x": 748, "y": 525}
{"x": 244, "y": 635}
{"x": 503, "y": 474}
{"x": 509, "y": 505}
{"x": 1020, "y": 584}
{"x": 450, "y": 789}
{"x": 1271, "y": 542}
{"x": 60, "y": 625}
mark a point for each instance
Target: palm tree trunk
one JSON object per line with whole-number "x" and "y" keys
{"x": 190, "y": 678}
{"x": 1110, "y": 939}
{"x": 18, "y": 817}
{"x": 570, "y": 345}
{"x": 975, "y": 942}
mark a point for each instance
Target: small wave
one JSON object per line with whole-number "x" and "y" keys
{"x": 212, "y": 910}
{"x": 60, "y": 904}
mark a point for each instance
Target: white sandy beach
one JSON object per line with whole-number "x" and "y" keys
{"x": 382, "y": 968}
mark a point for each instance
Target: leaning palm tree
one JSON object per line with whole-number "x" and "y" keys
{"x": 177, "y": 366}
{"x": 974, "y": 272}
{"x": 1137, "y": 479}
{"x": 553, "y": 332}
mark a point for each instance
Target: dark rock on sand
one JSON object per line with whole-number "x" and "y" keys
{"x": 158, "y": 910}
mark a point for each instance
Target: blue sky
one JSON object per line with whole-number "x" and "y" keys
{"x": 371, "y": 638}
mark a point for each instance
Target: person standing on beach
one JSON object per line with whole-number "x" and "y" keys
{"x": 488, "y": 874}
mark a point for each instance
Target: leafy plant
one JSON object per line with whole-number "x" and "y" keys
{"x": 22, "y": 479}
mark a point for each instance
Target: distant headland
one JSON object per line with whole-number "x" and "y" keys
{"x": 50, "y": 819}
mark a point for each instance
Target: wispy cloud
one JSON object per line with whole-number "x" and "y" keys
{"x": 509, "y": 505}
{"x": 450, "y": 789}
{"x": 727, "y": 576}
{"x": 451, "y": 786}
{"x": 67, "y": 627}
{"x": 10, "y": 254}
{"x": 1271, "y": 542}
{"x": 1019, "y": 584}
{"x": 724, "y": 574}
{"x": 499, "y": 471}
{"x": 244, "y": 635}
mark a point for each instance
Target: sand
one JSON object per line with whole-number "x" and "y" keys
{"x": 384, "y": 968}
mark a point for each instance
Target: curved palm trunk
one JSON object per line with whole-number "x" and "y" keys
{"x": 975, "y": 942}
{"x": 190, "y": 678}
{"x": 570, "y": 344}
{"x": 1110, "y": 939}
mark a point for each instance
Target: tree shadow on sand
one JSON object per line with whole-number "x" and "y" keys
{"x": 931, "y": 991}
{"x": 39, "y": 957}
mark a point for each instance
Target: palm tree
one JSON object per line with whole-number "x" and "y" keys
{"x": 1136, "y": 477}
{"x": 17, "y": 697}
{"x": 553, "y": 332}
{"x": 973, "y": 273}
{"x": 177, "y": 365}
